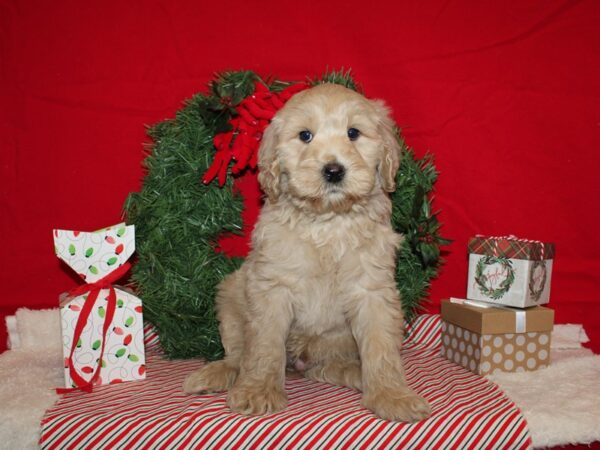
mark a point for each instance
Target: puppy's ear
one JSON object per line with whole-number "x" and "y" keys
{"x": 390, "y": 160}
{"x": 268, "y": 164}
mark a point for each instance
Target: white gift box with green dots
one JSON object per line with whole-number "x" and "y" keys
{"x": 93, "y": 255}
{"x": 484, "y": 338}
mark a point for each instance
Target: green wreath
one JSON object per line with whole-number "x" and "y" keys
{"x": 534, "y": 293}
{"x": 482, "y": 280}
{"x": 179, "y": 220}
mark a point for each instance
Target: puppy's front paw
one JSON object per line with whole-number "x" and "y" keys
{"x": 399, "y": 405}
{"x": 214, "y": 377}
{"x": 251, "y": 400}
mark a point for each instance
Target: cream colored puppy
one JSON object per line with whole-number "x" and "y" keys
{"x": 318, "y": 289}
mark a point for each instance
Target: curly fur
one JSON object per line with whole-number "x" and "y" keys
{"x": 318, "y": 290}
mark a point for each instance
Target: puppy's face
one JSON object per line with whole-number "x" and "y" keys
{"x": 327, "y": 149}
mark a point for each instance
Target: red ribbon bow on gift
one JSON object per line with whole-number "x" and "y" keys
{"x": 241, "y": 143}
{"x": 94, "y": 289}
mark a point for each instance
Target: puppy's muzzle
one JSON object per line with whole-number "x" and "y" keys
{"x": 333, "y": 172}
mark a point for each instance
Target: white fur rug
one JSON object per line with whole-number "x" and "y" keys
{"x": 28, "y": 375}
{"x": 561, "y": 403}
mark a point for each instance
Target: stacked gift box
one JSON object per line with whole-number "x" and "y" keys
{"x": 501, "y": 325}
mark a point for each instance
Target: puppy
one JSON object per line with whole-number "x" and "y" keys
{"x": 318, "y": 289}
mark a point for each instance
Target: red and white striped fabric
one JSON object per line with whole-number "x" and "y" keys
{"x": 469, "y": 412}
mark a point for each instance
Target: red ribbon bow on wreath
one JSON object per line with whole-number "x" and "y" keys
{"x": 94, "y": 289}
{"x": 242, "y": 142}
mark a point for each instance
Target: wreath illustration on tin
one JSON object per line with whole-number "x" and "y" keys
{"x": 486, "y": 281}
{"x": 535, "y": 292}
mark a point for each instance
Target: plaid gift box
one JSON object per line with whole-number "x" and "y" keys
{"x": 509, "y": 271}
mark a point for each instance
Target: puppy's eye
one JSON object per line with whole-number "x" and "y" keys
{"x": 305, "y": 136}
{"x": 353, "y": 134}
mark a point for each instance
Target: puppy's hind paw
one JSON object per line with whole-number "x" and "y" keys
{"x": 256, "y": 400}
{"x": 401, "y": 405}
{"x": 216, "y": 376}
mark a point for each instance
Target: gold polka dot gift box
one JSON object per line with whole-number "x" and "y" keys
{"x": 509, "y": 271}
{"x": 486, "y": 338}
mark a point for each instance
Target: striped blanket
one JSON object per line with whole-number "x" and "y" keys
{"x": 469, "y": 412}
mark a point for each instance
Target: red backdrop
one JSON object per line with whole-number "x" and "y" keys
{"x": 504, "y": 94}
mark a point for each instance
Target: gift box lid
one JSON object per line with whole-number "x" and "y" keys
{"x": 511, "y": 247}
{"x": 92, "y": 255}
{"x": 497, "y": 320}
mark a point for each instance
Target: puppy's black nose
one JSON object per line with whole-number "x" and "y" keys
{"x": 333, "y": 172}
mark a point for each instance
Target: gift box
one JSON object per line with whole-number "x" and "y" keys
{"x": 102, "y": 324}
{"x": 509, "y": 271}
{"x": 486, "y": 338}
